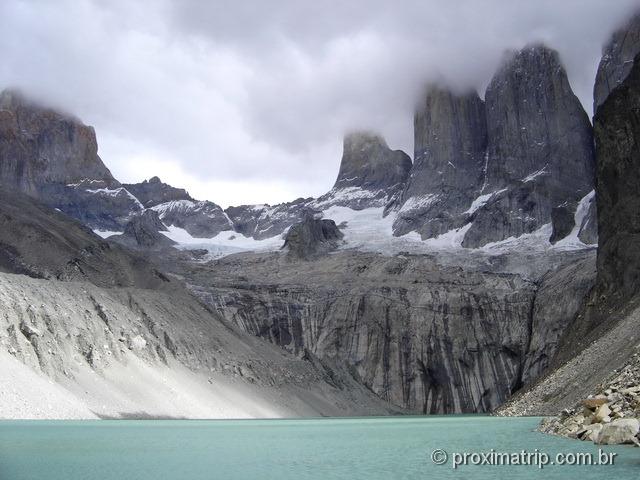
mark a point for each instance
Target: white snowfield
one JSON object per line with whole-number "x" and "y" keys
{"x": 369, "y": 230}
{"x": 117, "y": 192}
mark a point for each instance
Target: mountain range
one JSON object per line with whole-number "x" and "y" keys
{"x": 449, "y": 283}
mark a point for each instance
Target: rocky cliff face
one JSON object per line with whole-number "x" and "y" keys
{"x": 539, "y": 151}
{"x": 422, "y": 336}
{"x": 450, "y": 136}
{"x": 617, "y": 133}
{"x": 39, "y": 146}
{"x": 53, "y": 157}
{"x": 499, "y": 168}
{"x": 370, "y": 173}
{"x": 617, "y": 59}
{"x": 200, "y": 219}
{"x": 600, "y": 346}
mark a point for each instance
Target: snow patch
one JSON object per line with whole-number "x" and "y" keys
{"x": 346, "y": 195}
{"x": 106, "y": 233}
{"x": 116, "y": 192}
{"x": 482, "y": 200}
{"x": 534, "y": 175}
{"x": 571, "y": 241}
{"x": 225, "y": 243}
{"x": 537, "y": 240}
{"x": 449, "y": 240}
{"x": 419, "y": 202}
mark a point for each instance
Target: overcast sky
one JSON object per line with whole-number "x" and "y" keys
{"x": 247, "y": 101}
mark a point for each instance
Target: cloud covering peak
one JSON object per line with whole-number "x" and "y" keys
{"x": 246, "y": 102}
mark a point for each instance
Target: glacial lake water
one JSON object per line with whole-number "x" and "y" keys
{"x": 351, "y": 449}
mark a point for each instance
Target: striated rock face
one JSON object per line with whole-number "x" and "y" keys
{"x": 540, "y": 147}
{"x": 617, "y": 59}
{"x": 617, "y": 134}
{"x": 370, "y": 173}
{"x": 311, "y": 237}
{"x": 153, "y": 192}
{"x": 202, "y": 219}
{"x": 39, "y": 146}
{"x": 560, "y": 295}
{"x": 450, "y": 141}
{"x": 425, "y": 337}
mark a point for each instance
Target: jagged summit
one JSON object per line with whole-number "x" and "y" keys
{"x": 496, "y": 169}
{"x": 153, "y": 192}
{"x": 539, "y": 147}
{"x": 143, "y": 231}
{"x": 617, "y": 59}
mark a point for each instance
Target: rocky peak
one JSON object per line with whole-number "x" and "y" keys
{"x": 450, "y": 135}
{"x": 40, "y": 146}
{"x": 539, "y": 151}
{"x": 153, "y": 192}
{"x": 371, "y": 174}
{"x": 617, "y": 60}
{"x": 536, "y": 122}
{"x": 369, "y": 163}
{"x": 498, "y": 168}
{"x": 311, "y": 237}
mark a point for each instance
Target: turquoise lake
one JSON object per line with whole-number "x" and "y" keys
{"x": 351, "y": 448}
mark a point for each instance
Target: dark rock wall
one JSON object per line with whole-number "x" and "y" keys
{"x": 450, "y": 137}
{"x": 617, "y": 134}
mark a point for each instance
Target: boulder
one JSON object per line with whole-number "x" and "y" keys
{"x": 590, "y": 432}
{"x": 593, "y": 403}
{"x": 562, "y": 221}
{"x": 623, "y": 430}
{"x": 602, "y": 414}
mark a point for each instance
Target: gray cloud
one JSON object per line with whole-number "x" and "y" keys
{"x": 247, "y": 101}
